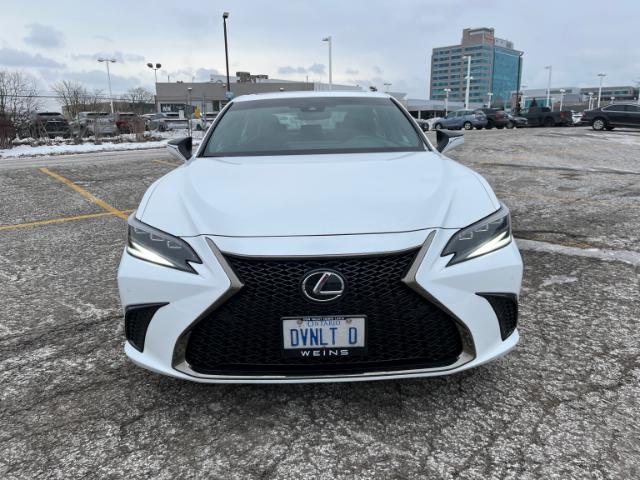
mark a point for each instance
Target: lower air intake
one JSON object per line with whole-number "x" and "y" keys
{"x": 136, "y": 322}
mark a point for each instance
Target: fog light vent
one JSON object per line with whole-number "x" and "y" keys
{"x": 136, "y": 322}
{"x": 505, "y": 305}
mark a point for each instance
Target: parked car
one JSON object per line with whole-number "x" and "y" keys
{"x": 576, "y": 117}
{"x": 48, "y": 124}
{"x": 167, "y": 121}
{"x": 495, "y": 118}
{"x": 514, "y": 121}
{"x": 92, "y": 123}
{"x": 467, "y": 119}
{"x": 125, "y": 121}
{"x": 204, "y": 121}
{"x": 612, "y": 116}
{"x": 544, "y": 117}
{"x": 423, "y": 124}
{"x": 220, "y": 283}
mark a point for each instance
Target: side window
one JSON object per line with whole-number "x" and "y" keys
{"x": 616, "y": 108}
{"x": 633, "y": 108}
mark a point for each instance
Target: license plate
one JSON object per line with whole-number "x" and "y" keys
{"x": 313, "y": 337}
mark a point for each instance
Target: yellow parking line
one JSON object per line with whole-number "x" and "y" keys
{"x": 59, "y": 220}
{"x": 85, "y": 194}
{"x": 164, "y": 162}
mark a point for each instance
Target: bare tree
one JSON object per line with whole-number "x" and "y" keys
{"x": 139, "y": 99}
{"x": 18, "y": 98}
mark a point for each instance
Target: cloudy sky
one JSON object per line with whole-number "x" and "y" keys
{"x": 374, "y": 41}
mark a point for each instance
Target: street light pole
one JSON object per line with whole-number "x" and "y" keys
{"x": 550, "y": 68}
{"x": 590, "y": 100}
{"x": 189, "y": 89}
{"x": 601, "y": 75}
{"x": 522, "y": 97}
{"x": 155, "y": 72}
{"x": 225, "y": 15}
{"x": 490, "y": 94}
{"x": 466, "y": 93}
{"x": 328, "y": 40}
{"x": 562, "y": 90}
{"x": 446, "y": 101}
{"x": 108, "y": 61}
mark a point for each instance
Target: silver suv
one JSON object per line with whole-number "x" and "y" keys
{"x": 92, "y": 123}
{"x": 467, "y": 119}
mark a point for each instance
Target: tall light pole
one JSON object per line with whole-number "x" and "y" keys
{"x": 590, "y": 100}
{"x": 601, "y": 75}
{"x": 328, "y": 40}
{"x": 523, "y": 97}
{"x": 468, "y": 77}
{"x": 550, "y": 68}
{"x": 562, "y": 90}
{"x": 446, "y": 101}
{"x": 107, "y": 61}
{"x": 189, "y": 90}
{"x": 490, "y": 94}
{"x": 155, "y": 69}
{"x": 225, "y": 15}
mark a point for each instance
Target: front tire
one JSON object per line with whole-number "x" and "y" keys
{"x": 437, "y": 126}
{"x": 599, "y": 124}
{"x": 468, "y": 126}
{"x": 509, "y": 125}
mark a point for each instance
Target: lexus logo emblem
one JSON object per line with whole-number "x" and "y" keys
{"x": 323, "y": 286}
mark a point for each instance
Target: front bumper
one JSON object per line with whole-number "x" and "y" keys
{"x": 187, "y": 297}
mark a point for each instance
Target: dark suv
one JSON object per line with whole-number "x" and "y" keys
{"x": 495, "y": 118}
{"x": 611, "y": 116}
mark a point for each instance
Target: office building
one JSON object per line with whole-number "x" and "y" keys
{"x": 496, "y": 68}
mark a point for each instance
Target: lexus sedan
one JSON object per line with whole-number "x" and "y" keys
{"x": 318, "y": 237}
{"x": 612, "y": 116}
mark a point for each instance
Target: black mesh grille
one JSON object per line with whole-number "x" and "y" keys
{"x": 136, "y": 322}
{"x": 505, "y": 305}
{"x": 244, "y": 335}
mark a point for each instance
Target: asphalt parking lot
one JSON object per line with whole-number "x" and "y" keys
{"x": 565, "y": 404}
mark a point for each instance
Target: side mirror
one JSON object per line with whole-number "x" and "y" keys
{"x": 446, "y": 140}
{"x": 180, "y": 148}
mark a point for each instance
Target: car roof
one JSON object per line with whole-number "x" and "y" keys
{"x": 307, "y": 94}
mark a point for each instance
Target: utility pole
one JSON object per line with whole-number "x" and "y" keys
{"x": 550, "y": 68}
{"x": 108, "y": 61}
{"x": 490, "y": 94}
{"x": 328, "y": 40}
{"x": 466, "y": 93}
{"x": 562, "y": 90}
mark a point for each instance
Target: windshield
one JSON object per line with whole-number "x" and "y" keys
{"x": 290, "y": 126}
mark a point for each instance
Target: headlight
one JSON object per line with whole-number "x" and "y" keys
{"x": 487, "y": 235}
{"x": 155, "y": 246}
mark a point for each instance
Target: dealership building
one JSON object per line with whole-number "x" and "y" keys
{"x": 496, "y": 67}
{"x": 211, "y": 96}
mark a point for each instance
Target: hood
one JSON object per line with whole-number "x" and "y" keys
{"x": 316, "y": 195}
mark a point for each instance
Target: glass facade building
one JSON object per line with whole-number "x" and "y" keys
{"x": 495, "y": 67}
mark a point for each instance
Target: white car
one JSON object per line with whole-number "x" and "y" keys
{"x": 318, "y": 237}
